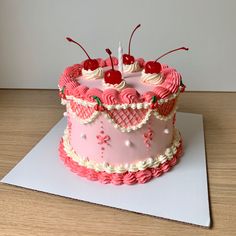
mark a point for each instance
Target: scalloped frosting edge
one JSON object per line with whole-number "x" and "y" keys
{"x": 129, "y": 178}
{"x": 134, "y": 167}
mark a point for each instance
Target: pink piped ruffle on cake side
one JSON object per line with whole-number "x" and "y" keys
{"x": 128, "y": 178}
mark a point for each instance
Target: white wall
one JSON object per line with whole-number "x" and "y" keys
{"x": 33, "y": 50}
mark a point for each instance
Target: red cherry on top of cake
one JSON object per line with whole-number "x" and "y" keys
{"x": 89, "y": 64}
{"x": 112, "y": 76}
{"x": 127, "y": 58}
{"x": 154, "y": 66}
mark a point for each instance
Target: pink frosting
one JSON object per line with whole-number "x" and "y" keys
{"x": 129, "y": 95}
{"x": 165, "y": 167}
{"x": 140, "y": 61}
{"x": 101, "y": 62}
{"x": 80, "y": 91}
{"x": 170, "y": 85}
{"x": 128, "y": 178}
{"x": 108, "y": 61}
{"x": 143, "y": 176}
{"x": 156, "y": 172}
{"x": 64, "y": 80}
{"x": 111, "y": 96}
{"x": 117, "y": 179}
{"x": 93, "y": 92}
{"x": 162, "y": 92}
{"x": 92, "y": 175}
{"x": 104, "y": 177}
{"x": 73, "y": 71}
{"x": 147, "y": 97}
{"x": 71, "y": 86}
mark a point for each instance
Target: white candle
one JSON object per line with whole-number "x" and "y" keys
{"x": 120, "y": 58}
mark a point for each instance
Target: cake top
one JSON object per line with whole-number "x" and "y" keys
{"x": 122, "y": 80}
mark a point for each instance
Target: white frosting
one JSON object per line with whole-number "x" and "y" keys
{"x": 118, "y": 87}
{"x": 152, "y": 79}
{"x": 140, "y": 165}
{"x": 131, "y": 68}
{"x": 93, "y": 74}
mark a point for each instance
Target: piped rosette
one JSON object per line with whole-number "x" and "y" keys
{"x": 113, "y": 78}
{"x": 91, "y": 67}
{"x": 130, "y": 68}
{"x": 92, "y": 74}
{"x": 130, "y": 63}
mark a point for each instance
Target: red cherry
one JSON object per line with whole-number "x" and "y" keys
{"x": 98, "y": 107}
{"x": 128, "y": 59}
{"x": 112, "y": 76}
{"x": 154, "y": 105}
{"x": 152, "y": 67}
{"x": 62, "y": 95}
{"x": 89, "y": 64}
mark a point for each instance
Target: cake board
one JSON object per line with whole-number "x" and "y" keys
{"x": 181, "y": 194}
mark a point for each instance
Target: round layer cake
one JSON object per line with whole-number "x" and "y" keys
{"x": 120, "y": 133}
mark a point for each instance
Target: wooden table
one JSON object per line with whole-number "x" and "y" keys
{"x": 27, "y": 115}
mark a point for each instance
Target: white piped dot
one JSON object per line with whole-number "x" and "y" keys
{"x": 65, "y": 114}
{"x": 83, "y": 136}
{"x": 166, "y": 131}
{"x": 128, "y": 143}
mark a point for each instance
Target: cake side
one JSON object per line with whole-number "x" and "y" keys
{"x": 120, "y": 136}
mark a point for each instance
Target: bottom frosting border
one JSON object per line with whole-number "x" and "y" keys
{"x": 128, "y": 178}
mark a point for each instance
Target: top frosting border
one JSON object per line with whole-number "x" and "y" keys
{"x": 70, "y": 86}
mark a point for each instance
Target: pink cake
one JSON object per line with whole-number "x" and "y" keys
{"x": 120, "y": 123}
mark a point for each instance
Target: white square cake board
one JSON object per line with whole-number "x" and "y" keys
{"x": 181, "y": 194}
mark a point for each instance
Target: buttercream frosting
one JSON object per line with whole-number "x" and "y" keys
{"x": 92, "y": 74}
{"x": 118, "y": 87}
{"x": 152, "y": 79}
{"x": 131, "y": 68}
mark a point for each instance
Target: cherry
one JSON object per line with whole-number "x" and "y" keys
{"x": 62, "y": 93}
{"x": 127, "y": 58}
{"x": 89, "y": 64}
{"x": 98, "y": 106}
{"x": 112, "y": 76}
{"x": 154, "y": 103}
{"x": 154, "y": 66}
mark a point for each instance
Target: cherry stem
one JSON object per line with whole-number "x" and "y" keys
{"x": 109, "y": 53}
{"x": 63, "y": 89}
{"x": 97, "y": 100}
{"x": 154, "y": 99}
{"x": 177, "y": 49}
{"x": 71, "y": 40}
{"x": 132, "y": 36}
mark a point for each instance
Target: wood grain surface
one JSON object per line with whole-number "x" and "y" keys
{"x": 27, "y": 115}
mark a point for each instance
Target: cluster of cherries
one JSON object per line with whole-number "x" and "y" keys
{"x": 113, "y": 76}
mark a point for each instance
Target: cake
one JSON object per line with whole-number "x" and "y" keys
{"x": 121, "y": 115}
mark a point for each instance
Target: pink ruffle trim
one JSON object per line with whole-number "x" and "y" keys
{"x": 128, "y": 178}
{"x": 170, "y": 85}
